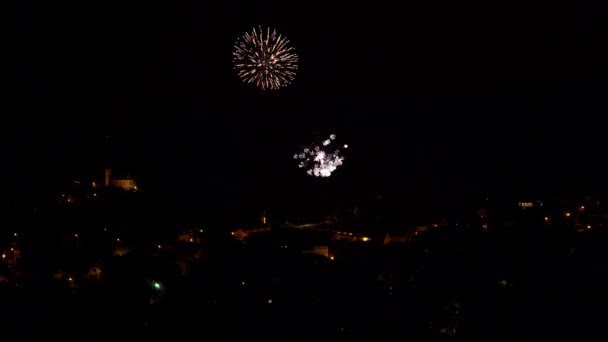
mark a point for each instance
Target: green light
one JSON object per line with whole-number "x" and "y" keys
{"x": 156, "y": 285}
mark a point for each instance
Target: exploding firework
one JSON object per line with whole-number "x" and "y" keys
{"x": 265, "y": 59}
{"x": 321, "y": 158}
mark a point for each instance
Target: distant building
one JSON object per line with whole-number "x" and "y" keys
{"x": 120, "y": 251}
{"x": 188, "y": 235}
{"x": 241, "y": 233}
{"x": 125, "y": 183}
{"x": 94, "y": 273}
{"x": 319, "y": 250}
{"x": 338, "y": 236}
{"x": 396, "y": 238}
{"x": 525, "y": 205}
{"x": 405, "y": 235}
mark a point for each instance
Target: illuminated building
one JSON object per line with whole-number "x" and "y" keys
{"x": 188, "y": 235}
{"x": 241, "y": 233}
{"x": 94, "y": 273}
{"x": 525, "y": 205}
{"x": 396, "y": 238}
{"x": 126, "y": 183}
{"x": 319, "y": 250}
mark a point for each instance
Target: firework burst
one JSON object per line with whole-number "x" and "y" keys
{"x": 321, "y": 158}
{"x": 265, "y": 59}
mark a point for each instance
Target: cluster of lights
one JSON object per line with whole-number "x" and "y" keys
{"x": 569, "y": 214}
{"x": 320, "y": 160}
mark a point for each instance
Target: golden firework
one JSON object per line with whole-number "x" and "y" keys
{"x": 265, "y": 59}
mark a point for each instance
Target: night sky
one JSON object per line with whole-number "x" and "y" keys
{"x": 432, "y": 99}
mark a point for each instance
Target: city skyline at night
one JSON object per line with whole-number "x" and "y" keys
{"x": 379, "y": 170}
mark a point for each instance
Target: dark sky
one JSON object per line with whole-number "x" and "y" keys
{"x": 433, "y": 98}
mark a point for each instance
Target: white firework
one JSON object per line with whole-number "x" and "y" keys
{"x": 321, "y": 159}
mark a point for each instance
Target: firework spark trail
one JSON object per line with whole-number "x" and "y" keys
{"x": 265, "y": 59}
{"x": 320, "y": 160}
